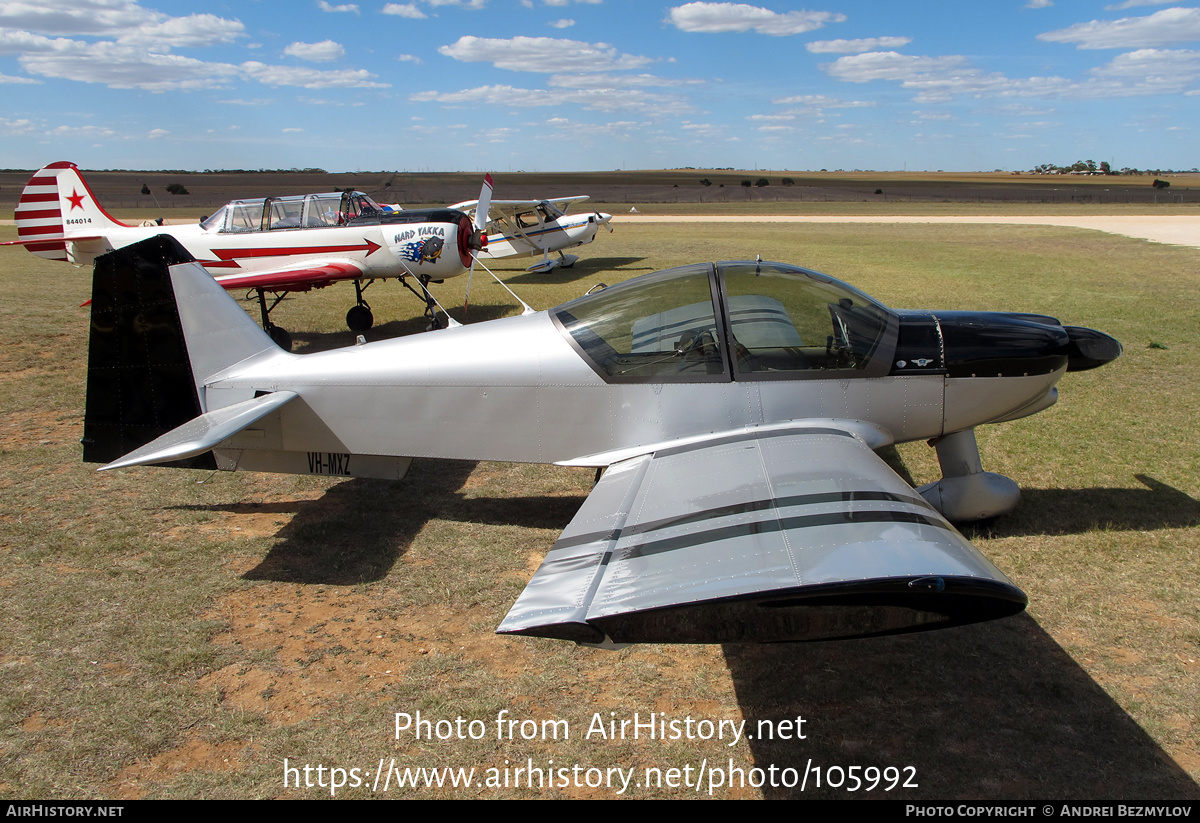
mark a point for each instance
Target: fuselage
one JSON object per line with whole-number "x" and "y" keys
{"x": 564, "y": 232}
{"x": 543, "y": 388}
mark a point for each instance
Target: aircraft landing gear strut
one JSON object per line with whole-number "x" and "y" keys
{"x": 282, "y": 339}
{"x": 431, "y": 305}
{"x": 359, "y": 318}
{"x": 966, "y": 492}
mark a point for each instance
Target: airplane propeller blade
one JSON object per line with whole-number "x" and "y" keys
{"x": 481, "y": 218}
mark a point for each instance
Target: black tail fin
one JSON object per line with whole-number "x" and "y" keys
{"x": 140, "y": 382}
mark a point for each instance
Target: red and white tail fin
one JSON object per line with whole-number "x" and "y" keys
{"x": 57, "y": 207}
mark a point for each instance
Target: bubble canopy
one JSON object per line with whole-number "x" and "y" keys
{"x": 709, "y": 322}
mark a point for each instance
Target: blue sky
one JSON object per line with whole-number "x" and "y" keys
{"x": 502, "y": 85}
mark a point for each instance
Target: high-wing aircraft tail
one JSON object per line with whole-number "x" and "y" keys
{"x": 154, "y": 342}
{"x": 57, "y": 208}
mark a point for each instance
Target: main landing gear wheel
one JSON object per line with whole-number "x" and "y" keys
{"x": 282, "y": 339}
{"x": 359, "y": 318}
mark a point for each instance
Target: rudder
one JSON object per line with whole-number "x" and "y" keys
{"x": 56, "y": 207}
{"x": 140, "y": 383}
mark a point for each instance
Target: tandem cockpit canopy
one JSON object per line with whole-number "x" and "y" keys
{"x": 300, "y": 211}
{"x": 731, "y": 321}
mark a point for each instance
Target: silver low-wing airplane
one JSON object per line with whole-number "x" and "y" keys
{"x": 266, "y": 245}
{"x": 527, "y": 228}
{"x": 736, "y": 408}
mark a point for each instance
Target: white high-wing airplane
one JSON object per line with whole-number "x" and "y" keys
{"x": 266, "y": 245}
{"x": 526, "y": 228}
{"x": 735, "y": 406}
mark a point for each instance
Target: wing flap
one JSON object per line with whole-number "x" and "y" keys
{"x": 769, "y": 536}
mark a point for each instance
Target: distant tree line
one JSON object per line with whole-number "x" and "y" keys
{"x": 1103, "y": 167}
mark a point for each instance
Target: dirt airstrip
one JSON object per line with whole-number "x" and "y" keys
{"x": 1174, "y": 229}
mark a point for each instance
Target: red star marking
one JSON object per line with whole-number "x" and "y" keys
{"x": 76, "y": 199}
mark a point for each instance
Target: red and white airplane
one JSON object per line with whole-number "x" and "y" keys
{"x": 267, "y": 245}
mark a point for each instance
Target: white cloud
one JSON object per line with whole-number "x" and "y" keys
{"x": 326, "y": 7}
{"x": 715, "y": 18}
{"x": 125, "y": 21}
{"x": 315, "y": 101}
{"x": 1162, "y": 28}
{"x": 96, "y": 17}
{"x": 1129, "y": 4}
{"x": 292, "y": 130}
{"x": 1039, "y": 4}
{"x": 184, "y": 32}
{"x": 610, "y": 81}
{"x": 323, "y": 52}
{"x": 823, "y": 102}
{"x": 939, "y": 79}
{"x": 17, "y": 81}
{"x": 409, "y": 58}
{"x": 1023, "y": 110}
{"x": 466, "y": 4}
{"x": 408, "y": 10}
{"x": 309, "y": 78}
{"x": 156, "y": 133}
{"x": 127, "y": 65}
{"x": 890, "y": 65}
{"x": 594, "y": 99}
{"x": 1152, "y": 70}
{"x": 81, "y": 131}
{"x": 124, "y": 67}
{"x": 562, "y": 24}
{"x": 543, "y": 54}
{"x": 856, "y": 46}
{"x": 13, "y": 128}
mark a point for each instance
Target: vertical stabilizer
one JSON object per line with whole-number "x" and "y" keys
{"x": 56, "y": 207}
{"x": 161, "y": 326}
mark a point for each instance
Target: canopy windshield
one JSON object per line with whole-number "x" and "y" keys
{"x": 744, "y": 321}
{"x": 300, "y": 211}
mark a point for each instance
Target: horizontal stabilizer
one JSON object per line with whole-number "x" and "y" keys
{"x": 765, "y": 537}
{"x": 204, "y": 432}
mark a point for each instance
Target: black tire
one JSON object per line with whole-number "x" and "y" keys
{"x": 282, "y": 339}
{"x": 359, "y": 318}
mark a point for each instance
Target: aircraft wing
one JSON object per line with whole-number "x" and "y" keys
{"x": 776, "y": 535}
{"x": 313, "y": 274}
{"x": 513, "y": 206}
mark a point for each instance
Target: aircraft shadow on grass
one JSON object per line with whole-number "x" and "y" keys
{"x": 996, "y": 710}
{"x": 990, "y": 711}
{"x": 359, "y": 529}
{"x": 591, "y": 267}
{"x": 1078, "y": 511}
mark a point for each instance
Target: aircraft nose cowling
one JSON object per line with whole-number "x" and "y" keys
{"x": 1090, "y": 348}
{"x": 994, "y": 344}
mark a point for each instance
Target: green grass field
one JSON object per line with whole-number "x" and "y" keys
{"x": 172, "y": 634}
